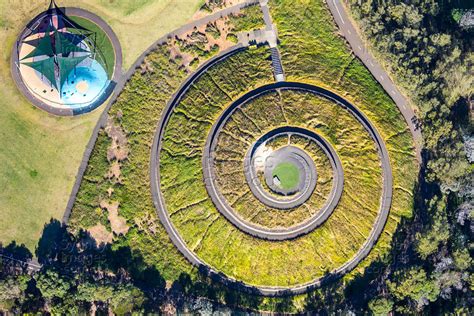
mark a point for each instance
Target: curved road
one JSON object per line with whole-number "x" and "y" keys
{"x": 270, "y": 290}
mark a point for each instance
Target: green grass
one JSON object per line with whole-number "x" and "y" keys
{"x": 104, "y": 48}
{"x": 126, "y": 7}
{"x": 288, "y": 175}
{"x": 311, "y": 52}
{"x": 217, "y": 241}
{"x": 314, "y": 53}
{"x": 138, "y": 23}
{"x": 40, "y": 154}
{"x": 248, "y": 20}
{"x": 140, "y": 105}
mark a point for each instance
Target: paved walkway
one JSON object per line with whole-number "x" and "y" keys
{"x": 227, "y": 211}
{"x": 155, "y": 155}
{"x": 348, "y": 30}
{"x": 177, "y": 240}
{"x": 32, "y": 264}
{"x": 278, "y": 71}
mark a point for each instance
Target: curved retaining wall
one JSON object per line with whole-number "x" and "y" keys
{"x": 270, "y": 290}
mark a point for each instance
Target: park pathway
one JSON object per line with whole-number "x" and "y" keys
{"x": 359, "y": 48}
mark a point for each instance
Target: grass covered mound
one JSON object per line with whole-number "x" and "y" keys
{"x": 217, "y": 241}
{"x": 114, "y": 201}
{"x": 313, "y": 52}
{"x": 243, "y": 128}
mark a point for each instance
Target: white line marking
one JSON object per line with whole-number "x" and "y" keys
{"x": 359, "y": 47}
{"x": 338, "y": 12}
{"x": 381, "y": 77}
{"x": 349, "y": 32}
{"x": 393, "y": 91}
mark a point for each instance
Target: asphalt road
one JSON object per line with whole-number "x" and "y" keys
{"x": 348, "y": 30}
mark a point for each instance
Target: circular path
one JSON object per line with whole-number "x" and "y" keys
{"x": 191, "y": 256}
{"x": 262, "y": 232}
{"x": 68, "y": 111}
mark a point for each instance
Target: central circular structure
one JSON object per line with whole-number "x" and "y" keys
{"x": 289, "y": 172}
{"x": 292, "y": 154}
{"x": 284, "y": 178}
{"x": 195, "y": 225}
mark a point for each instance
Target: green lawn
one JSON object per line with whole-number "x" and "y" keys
{"x": 104, "y": 47}
{"x": 288, "y": 175}
{"x": 40, "y": 154}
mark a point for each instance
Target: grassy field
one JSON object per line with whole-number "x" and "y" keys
{"x": 40, "y": 153}
{"x": 216, "y": 240}
{"x": 288, "y": 175}
{"x": 138, "y": 23}
{"x": 139, "y": 107}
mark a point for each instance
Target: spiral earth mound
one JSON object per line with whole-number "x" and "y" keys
{"x": 261, "y": 187}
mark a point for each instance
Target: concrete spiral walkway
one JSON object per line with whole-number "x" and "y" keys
{"x": 227, "y": 211}
{"x": 155, "y": 155}
{"x": 178, "y": 241}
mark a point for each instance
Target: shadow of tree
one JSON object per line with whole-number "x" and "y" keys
{"x": 13, "y": 258}
{"x": 372, "y": 282}
{"x": 79, "y": 257}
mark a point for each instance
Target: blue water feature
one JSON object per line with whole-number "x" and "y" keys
{"x": 84, "y": 85}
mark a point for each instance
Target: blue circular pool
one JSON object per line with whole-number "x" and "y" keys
{"x": 84, "y": 84}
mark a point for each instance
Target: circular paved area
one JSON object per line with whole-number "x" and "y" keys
{"x": 68, "y": 111}
{"x": 207, "y": 158}
{"x": 289, "y": 171}
{"x": 302, "y": 159}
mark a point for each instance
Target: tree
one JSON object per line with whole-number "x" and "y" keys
{"x": 414, "y": 285}
{"x": 53, "y": 285}
{"x": 381, "y": 306}
{"x": 127, "y": 299}
{"x": 12, "y": 291}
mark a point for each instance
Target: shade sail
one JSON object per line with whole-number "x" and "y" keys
{"x": 46, "y": 67}
{"x": 64, "y": 46}
{"x": 72, "y": 37}
{"x": 44, "y": 47}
